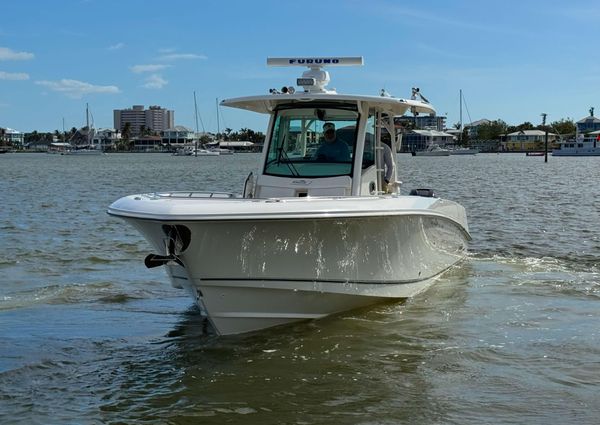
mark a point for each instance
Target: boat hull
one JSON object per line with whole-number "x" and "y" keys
{"x": 465, "y": 151}
{"x": 247, "y": 275}
{"x": 575, "y": 152}
{"x": 84, "y": 152}
{"x": 432, "y": 153}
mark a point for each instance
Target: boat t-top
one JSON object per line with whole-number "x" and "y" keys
{"x": 321, "y": 228}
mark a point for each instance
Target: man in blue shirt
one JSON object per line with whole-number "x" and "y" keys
{"x": 332, "y": 149}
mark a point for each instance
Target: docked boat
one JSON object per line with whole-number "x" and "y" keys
{"x": 85, "y": 151}
{"x": 433, "y": 150}
{"x": 205, "y": 152}
{"x": 221, "y": 151}
{"x": 184, "y": 151}
{"x": 464, "y": 151}
{"x": 588, "y": 145}
{"x": 322, "y": 228}
{"x": 193, "y": 151}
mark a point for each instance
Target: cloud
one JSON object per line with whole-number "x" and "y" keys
{"x": 155, "y": 81}
{"x": 13, "y": 76}
{"x": 116, "y": 46}
{"x": 76, "y": 89}
{"x": 138, "y": 69}
{"x": 7, "y": 54}
{"x": 179, "y": 56}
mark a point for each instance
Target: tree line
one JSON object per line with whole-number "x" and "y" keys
{"x": 79, "y": 135}
{"x": 494, "y": 130}
{"x": 243, "y": 135}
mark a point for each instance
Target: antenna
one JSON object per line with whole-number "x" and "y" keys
{"x": 417, "y": 92}
{"x": 315, "y": 79}
{"x": 317, "y": 62}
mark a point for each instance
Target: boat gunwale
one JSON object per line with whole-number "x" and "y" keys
{"x": 290, "y": 216}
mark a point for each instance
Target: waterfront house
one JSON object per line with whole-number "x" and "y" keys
{"x": 106, "y": 138}
{"x": 423, "y": 122}
{"x": 13, "y": 137}
{"x": 588, "y": 124}
{"x": 178, "y": 137}
{"x": 473, "y": 128}
{"x": 419, "y": 140}
{"x": 530, "y": 140}
{"x": 147, "y": 144}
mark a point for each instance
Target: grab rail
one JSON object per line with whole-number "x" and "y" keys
{"x": 196, "y": 194}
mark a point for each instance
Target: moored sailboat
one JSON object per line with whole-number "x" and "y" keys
{"x": 89, "y": 148}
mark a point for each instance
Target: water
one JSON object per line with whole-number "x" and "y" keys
{"x": 89, "y": 335}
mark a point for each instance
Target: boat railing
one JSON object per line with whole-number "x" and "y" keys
{"x": 197, "y": 194}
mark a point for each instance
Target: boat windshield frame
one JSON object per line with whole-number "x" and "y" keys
{"x": 294, "y": 149}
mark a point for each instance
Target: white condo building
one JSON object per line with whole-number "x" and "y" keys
{"x": 154, "y": 118}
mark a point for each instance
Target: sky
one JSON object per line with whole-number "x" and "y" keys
{"x": 513, "y": 60}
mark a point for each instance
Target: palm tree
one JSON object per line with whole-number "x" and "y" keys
{"x": 126, "y": 133}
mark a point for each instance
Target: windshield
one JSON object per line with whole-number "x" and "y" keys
{"x": 313, "y": 142}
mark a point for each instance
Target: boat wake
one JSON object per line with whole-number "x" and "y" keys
{"x": 77, "y": 293}
{"x": 561, "y": 276}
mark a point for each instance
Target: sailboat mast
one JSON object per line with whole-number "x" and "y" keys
{"x": 196, "y": 113}
{"x": 218, "y": 124}
{"x": 196, "y": 116}
{"x": 461, "y": 121}
{"x": 87, "y": 123}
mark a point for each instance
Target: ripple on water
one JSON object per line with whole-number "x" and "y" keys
{"x": 509, "y": 336}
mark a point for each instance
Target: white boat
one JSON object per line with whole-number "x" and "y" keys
{"x": 85, "y": 151}
{"x": 193, "y": 151}
{"x": 582, "y": 146}
{"x": 433, "y": 150}
{"x": 310, "y": 235}
{"x": 184, "y": 151}
{"x": 464, "y": 151}
{"x": 205, "y": 152}
{"x": 222, "y": 151}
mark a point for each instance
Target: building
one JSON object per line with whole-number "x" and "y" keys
{"x": 9, "y": 136}
{"x": 419, "y": 140}
{"x": 177, "y": 137}
{"x": 106, "y": 138}
{"x": 154, "y": 119}
{"x": 530, "y": 140}
{"x": 59, "y": 147}
{"x": 147, "y": 144}
{"x": 427, "y": 122}
{"x": 588, "y": 124}
{"x": 473, "y": 127}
